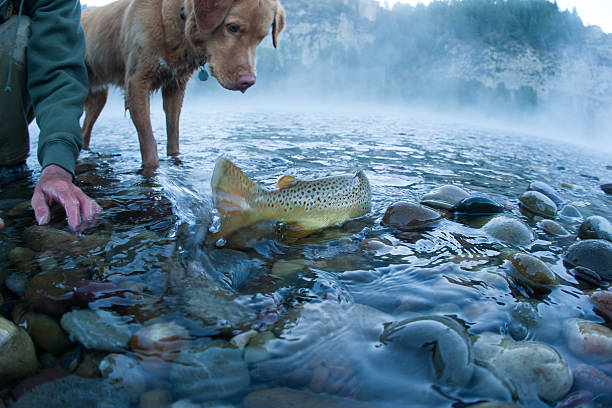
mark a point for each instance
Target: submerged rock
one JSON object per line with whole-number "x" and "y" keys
{"x": 553, "y": 228}
{"x": 74, "y": 391}
{"x": 570, "y": 212}
{"x": 538, "y": 204}
{"x": 592, "y": 254}
{"x": 602, "y": 301}
{"x": 159, "y": 344}
{"x": 531, "y": 271}
{"x": 444, "y": 197}
{"x": 521, "y": 366}
{"x": 42, "y": 238}
{"x": 17, "y": 354}
{"x": 46, "y": 332}
{"x": 595, "y": 227}
{"x": 290, "y": 398}
{"x": 97, "y": 329}
{"x": 124, "y": 372}
{"x": 547, "y": 190}
{"x": 510, "y": 230}
{"x": 591, "y": 378}
{"x": 478, "y": 206}
{"x": 210, "y": 374}
{"x": 408, "y": 216}
{"x": 218, "y": 308}
{"x": 450, "y": 361}
{"x": 589, "y": 339}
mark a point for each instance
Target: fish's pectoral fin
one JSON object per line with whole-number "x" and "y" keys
{"x": 286, "y": 181}
{"x": 230, "y": 223}
{"x": 295, "y": 231}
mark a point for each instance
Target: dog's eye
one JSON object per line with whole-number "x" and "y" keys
{"x": 233, "y": 28}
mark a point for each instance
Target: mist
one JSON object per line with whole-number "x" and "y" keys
{"x": 524, "y": 65}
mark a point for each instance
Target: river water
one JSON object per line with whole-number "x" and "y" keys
{"x": 356, "y": 314}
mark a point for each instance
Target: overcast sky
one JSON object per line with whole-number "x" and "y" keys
{"x": 592, "y": 12}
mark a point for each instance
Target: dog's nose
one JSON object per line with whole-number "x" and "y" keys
{"x": 245, "y": 81}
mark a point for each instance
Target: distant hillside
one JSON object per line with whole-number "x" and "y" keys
{"x": 512, "y": 53}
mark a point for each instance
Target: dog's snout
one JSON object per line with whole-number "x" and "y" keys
{"x": 245, "y": 80}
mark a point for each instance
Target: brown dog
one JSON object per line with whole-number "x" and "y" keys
{"x": 144, "y": 45}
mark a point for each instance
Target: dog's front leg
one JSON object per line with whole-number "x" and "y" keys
{"x": 137, "y": 101}
{"x": 172, "y": 95}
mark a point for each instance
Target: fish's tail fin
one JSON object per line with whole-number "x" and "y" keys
{"x": 230, "y": 191}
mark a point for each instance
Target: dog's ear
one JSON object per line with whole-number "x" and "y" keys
{"x": 278, "y": 24}
{"x": 209, "y": 14}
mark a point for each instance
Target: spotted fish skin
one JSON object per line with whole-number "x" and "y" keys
{"x": 306, "y": 206}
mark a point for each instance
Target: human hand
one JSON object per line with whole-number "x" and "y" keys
{"x": 55, "y": 185}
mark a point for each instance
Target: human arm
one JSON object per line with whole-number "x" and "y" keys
{"x": 57, "y": 83}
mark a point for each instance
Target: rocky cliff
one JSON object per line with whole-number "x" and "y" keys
{"x": 348, "y": 38}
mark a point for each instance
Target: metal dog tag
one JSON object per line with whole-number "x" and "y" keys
{"x": 203, "y": 74}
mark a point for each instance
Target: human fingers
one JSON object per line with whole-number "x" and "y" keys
{"x": 41, "y": 208}
{"x": 68, "y": 198}
{"x": 89, "y": 208}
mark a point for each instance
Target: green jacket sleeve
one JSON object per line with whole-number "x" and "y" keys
{"x": 57, "y": 78}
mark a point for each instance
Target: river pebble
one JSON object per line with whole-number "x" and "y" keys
{"x": 204, "y": 374}
{"x": 287, "y": 267}
{"x": 521, "y": 365}
{"x": 157, "y": 345}
{"x": 547, "y": 190}
{"x": 17, "y": 353}
{"x": 74, "y": 391}
{"x": 587, "y": 377}
{"x": 124, "y": 372}
{"x": 23, "y": 258}
{"x": 602, "y": 302}
{"x": 16, "y": 282}
{"x": 510, "y": 230}
{"x": 538, "y": 204}
{"x": 530, "y": 271}
{"x": 258, "y": 347}
{"x": 593, "y": 254}
{"x": 409, "y": 216}
{"x": 444, "y": 197}
{"x": 42, "y": 238}
{"x": 450, "y": 362}
{"x": 570, "y": 213}
{"x": 290, "y": 398}
{"x": 595, "y": 227}
{"x": 552, "y": 227}
{"x": 218, "y": 308}
{"x": 156, "y": 398}
{"x": 46, "y": 332}
{"x": 476, "y": 205}
{"x": 97, "y": 329}
{"x": 50, "y": 291}
{"x": 588, "y": 339}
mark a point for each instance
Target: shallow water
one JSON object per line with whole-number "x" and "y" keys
{"x": 326, "y": 298}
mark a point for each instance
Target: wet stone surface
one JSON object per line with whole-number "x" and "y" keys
{"x": 538, "y": 204}
{"x": 401, "y": 307}
{"x": 444, "y": 197}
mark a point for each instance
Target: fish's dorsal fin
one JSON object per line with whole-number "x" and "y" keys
{"x": 286, "y": 181}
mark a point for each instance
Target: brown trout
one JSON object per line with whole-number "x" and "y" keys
{"x": 305, "y": 206}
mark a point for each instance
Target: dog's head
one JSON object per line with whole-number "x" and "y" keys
{"x": 229, "y": 31}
